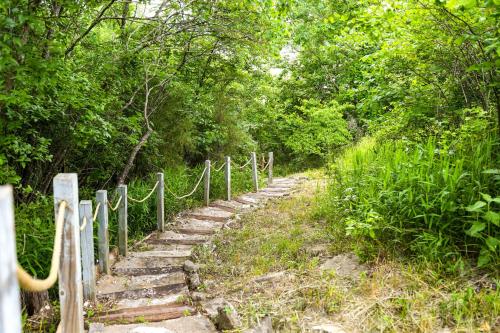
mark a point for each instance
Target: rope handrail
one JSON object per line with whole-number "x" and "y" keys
{"x": 96, "y": 211}
{"x": 117, "y": 204}
{"x": 267, "y": 165}
{"x": 30, "y": 283}
{"x": 190, "y": 193}
{"x": 219, "y": 168}
{"x": 147, "y": 196}
{"x": 84, "y": 224}
{"x": 244, "y": 165}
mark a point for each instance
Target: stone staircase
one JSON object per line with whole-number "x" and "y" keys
{"x": 148, "y": 290}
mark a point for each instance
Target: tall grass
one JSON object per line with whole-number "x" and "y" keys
{"x": 438, "y": 198}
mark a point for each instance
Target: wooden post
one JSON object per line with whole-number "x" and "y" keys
{"x": 228, "y": 178}
{"x": 207, "y": 183}
{"x": 270, "y": 168}
{"x": 122, "y": 221}
{"x": 160, "y": 203}
{"x": 103, "y": 234}
{"x": 87, "y": 248}
{"x": 70, "y": 270}
{"x": 10, "y": 306}
{"x": 255, "y": 176}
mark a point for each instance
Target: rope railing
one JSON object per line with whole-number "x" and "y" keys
{"x": 219, "y": 168}
{"x": 190, "y": 193}
{"x": 146, "y": 197}
{"x": 117, "y": 204}
{"x": 30, "y": 283}
{"x": 96, "y": 211}
{"x": 242, "y": 166}
{"x": 266, "y": 166}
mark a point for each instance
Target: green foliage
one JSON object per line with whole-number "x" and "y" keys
{"x": 438, "y": 198}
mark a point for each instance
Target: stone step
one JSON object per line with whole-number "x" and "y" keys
{"x": 135, "y": 287}
{"x": 188, "y": 324}
{"x": 172, "y": 237}
{"x": 276, "y": 189}
{"x": 176, "y": 298}
{"x": 151, "y": 263}
{"x": 247, "y": 199}
{"x": 148, "y": 313}
{"x": 231, "y": 206}
{"x": 211, "y": 214}
{"x": 197, "y": 227}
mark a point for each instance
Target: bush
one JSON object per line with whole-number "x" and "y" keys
{"x": 438, "y": 198}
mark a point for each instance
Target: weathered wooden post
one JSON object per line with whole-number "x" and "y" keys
{"x": 255, "y": 175}
{"x": 270, "y": 168}
{"x": 70, "y": 269}
{"x": 10, "y": 306}
{"x": 122, "y": 221}
{"x": 207, "y": 183}
{"x": 103, "y": 234}
{"x": 227, "y": 175}
{"x": 87, "y": 248}
{"x": 160, "y": 201}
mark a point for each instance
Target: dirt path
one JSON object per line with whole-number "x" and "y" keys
{"x": 154, "y": 288}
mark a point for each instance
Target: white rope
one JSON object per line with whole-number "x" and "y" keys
{"x": 96, "y": 211}
{"x": 84, "y": 223}
{"x": 190, "y": 193}
{"x": 267, "y": 165}
{"x": 244, "y": 165}
{"x": 147, "y": 196}
{"x": 220, "y": 168}
{"x": 117, "y": 204}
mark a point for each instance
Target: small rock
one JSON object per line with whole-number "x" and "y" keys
{"x": 227, "y": 318}
{"x": 265, "y": 326}
{"x": 270, "y": 277}
{"x": 327, "y": 328}
{"x": 344, "y": 265}
{"x": 193, "y": 281}
{"x": 190, "y": 267}
{"x": 197, "y": 296}
{"x": 317, "y": 250}
{"x": 211, "y": 307}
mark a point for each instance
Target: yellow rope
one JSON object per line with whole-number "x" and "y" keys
{"x": 84, "y": 223}
{"x": 96, "y": 211}
{"x": 191, "y": 193}
{"x": 29, "y": 283}
{"x": 220, "y": 168}
{"x": 117, "y": 204}
{"x": 267, "y": 165}
{"x": 147, "y": 197}
{"x": 244, "y": 165}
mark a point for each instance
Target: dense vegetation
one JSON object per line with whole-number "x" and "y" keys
{"x": 399, "y": 98}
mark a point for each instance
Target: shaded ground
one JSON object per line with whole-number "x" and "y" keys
{"x": 282, "y": 262}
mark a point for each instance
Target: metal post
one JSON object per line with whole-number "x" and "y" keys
{"x": 228, "y": 178}
{"x": 207, "y": 183}
{"x": 103, "y": 234}
{"x": 10, "y": 306}
{"x": 160, "y": 203}
{"x": 87, "y": 248}
{"x": 70, "y": 270}
{"x": 255, "y": 176}
{"x": 122, "y": 221}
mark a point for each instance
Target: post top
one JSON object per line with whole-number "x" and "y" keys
{"x": 66, "y": 177}
{"x": 5, "y": 191}
{"x": 85, "y": 202}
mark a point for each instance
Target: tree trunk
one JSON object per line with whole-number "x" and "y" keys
{"x": 34, "y": 302}
{"x": 133, "y": 155}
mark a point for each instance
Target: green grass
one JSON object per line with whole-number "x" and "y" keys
{"x": 437, "y": 199}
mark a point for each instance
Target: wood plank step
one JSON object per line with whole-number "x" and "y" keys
{"x": 211, "y": 213}
{"x": 134, "y": 287}
{"x": 150, "y": 313}
{"x": 188, "y": 324}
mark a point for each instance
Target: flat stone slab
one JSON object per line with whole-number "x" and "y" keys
{"x": 134, "y": 287}
{"x": 276, "y": 189}
{"x": 150, "y": 313}
{"x": 188, "y": 324}
{"x": 233, "y": 205}
{"x": 249, "y": 199}
{"x": 172, "y": 237}
{"x": 211, "y": 214}
{"x": 175, "y": 298}
{"x": 345, "y": 265}
{"x": 150, "y": 263}
{"x": 197, "y": 227}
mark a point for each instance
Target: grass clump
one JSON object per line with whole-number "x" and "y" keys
{"x": 437, "y": 199}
